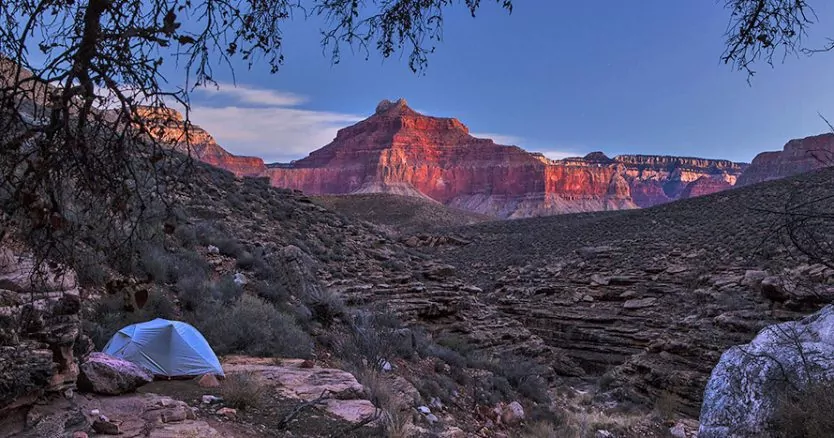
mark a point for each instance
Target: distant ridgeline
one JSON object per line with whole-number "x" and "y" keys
{"x": 400, "y": 151}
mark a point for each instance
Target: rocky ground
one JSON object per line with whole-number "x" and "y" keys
{"x": 399, "y": 214}
{"x": 592, "y": 322}
{"x": 647, "y": 300}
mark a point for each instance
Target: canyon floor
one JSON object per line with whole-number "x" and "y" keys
{"x": 592, "y": 322}
{"x": 643, "y": 302}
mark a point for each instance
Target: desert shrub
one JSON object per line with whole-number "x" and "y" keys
{"x": 206, "y": 233}
{"x": 492, "y": 390}
{"x": 367, "y": 344}
{"x": 154, "y": 261}
{"x": 456, "y": 342}
{"x": 325, "y": 305}
{"x": 245, "y": 260}
{"x": 666, "y": 406}
{"x": 186, "y": 235}
{"x": 549, "y": 429}
{"x": 526, "y": 376}
{"x": 451, "y": 357}
{"x": 192, "y": 291}
{"x": 225, "y": 290}
{"x": 228, "y": 246}
{"x": 252, "y": 326}
{"x": 805, "y": 413}
{"x": 275, "y": 293}
{"x": 102, "y": 320}
{"x": 243, "y": 391}
{"x": 185, "y": 263}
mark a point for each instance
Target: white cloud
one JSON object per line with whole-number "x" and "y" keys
{"x": 558, "y": 155}
{"x": 245, "y": 94}
{"x": 274, "y": 134}
{"x": 510, "y": 140}
{"x": 260, "y": 122}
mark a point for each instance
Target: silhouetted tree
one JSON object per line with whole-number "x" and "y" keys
{"x": 761, "y": 29}
{"x": 78, "y": 78}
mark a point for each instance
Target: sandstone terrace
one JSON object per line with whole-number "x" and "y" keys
{"x": 568, "y": 279}
{"x": 399, "y": 214}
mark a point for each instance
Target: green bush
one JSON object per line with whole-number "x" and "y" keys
{"x": 254, "y": 327}
{"x": 325, "y": 305}
{"x": 108, "y": 316}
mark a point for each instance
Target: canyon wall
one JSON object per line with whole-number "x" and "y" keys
{"x": 400, "y": 151}
{"x": 798, "y": 156}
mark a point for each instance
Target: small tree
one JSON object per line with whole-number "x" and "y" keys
{"x": 80, "y": 158}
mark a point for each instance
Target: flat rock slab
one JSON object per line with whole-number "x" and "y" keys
{"x": 348, "y": 399}
{"x": 639, "y": 303}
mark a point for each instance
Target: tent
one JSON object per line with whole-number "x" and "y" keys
{"x": 166, "y": 348}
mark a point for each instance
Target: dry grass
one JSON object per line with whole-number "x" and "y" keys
{"x": 394, "y": 417}
{"x": 806, "y": 413}
{"x": 242, "y": 391}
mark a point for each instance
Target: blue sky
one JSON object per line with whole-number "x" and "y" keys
{"x": 564, "y": 78}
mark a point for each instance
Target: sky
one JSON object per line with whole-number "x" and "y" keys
{"x": 561, "y": 78}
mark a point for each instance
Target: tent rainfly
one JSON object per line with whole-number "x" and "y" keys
{"x": 166, "y": 348}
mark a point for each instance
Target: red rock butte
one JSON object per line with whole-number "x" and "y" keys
{"x": 798, "y": 156}
{"x": 398, "y": 150}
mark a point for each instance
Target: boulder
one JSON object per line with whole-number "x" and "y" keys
{"x": 208, "y": 381}
{"x": 639, "y": 303}
{"x": 105, "y": 374}
{"x": 753, "y": 278}
{"x": 512, "y": 414}
{"x": 742, "y": 392}
{"x": 773, "y": 289}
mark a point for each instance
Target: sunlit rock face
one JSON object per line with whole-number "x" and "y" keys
{"x": 168, "y": 125}
{"x": 798, "y": 156}
{"x": 400, "y": 151}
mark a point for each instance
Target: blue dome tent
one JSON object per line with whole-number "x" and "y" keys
{"x": 166, "y": 348}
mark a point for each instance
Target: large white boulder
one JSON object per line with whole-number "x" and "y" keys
{"x": 742, "y": 392}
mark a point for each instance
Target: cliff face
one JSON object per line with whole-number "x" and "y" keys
{"x": 398, "y": 150}
{"x": 798, "y": 156}
{"x": 169, "y": 126}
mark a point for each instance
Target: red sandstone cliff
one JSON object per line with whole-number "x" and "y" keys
{"x": 400, "y": 151}
{"x": 168, "y": 125}
{"x": 798, "y": 156}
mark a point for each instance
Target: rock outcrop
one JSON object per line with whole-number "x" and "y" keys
{"x": 108, "y": 375}
{"x": 344, "y": 396}
{"x": 742, "y": 392}
{"x": 39, "y": 326}
{"x": 400, "y": 151}
{"x": 798, "y": 156}
{"x": 704, "y": 185}
{"x": 169, "y": 126}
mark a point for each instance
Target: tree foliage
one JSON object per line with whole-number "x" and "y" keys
{"x": 81, "y": 158}
{"x": 760, "y": 30}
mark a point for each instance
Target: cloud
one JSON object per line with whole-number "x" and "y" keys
{"x": 245, "y": 94}
{"x": 265, "y": 123}
{"x": 504, "y": 139}
{"x": 274, "y": 134}
{"x": 558, "y": 155}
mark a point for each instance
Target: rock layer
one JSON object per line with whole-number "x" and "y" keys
{"x": 39, "y": 326}
{"x": 168, "y": 125}
{"x": 798, "y": 156}
{"x": 400, "y": 151}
